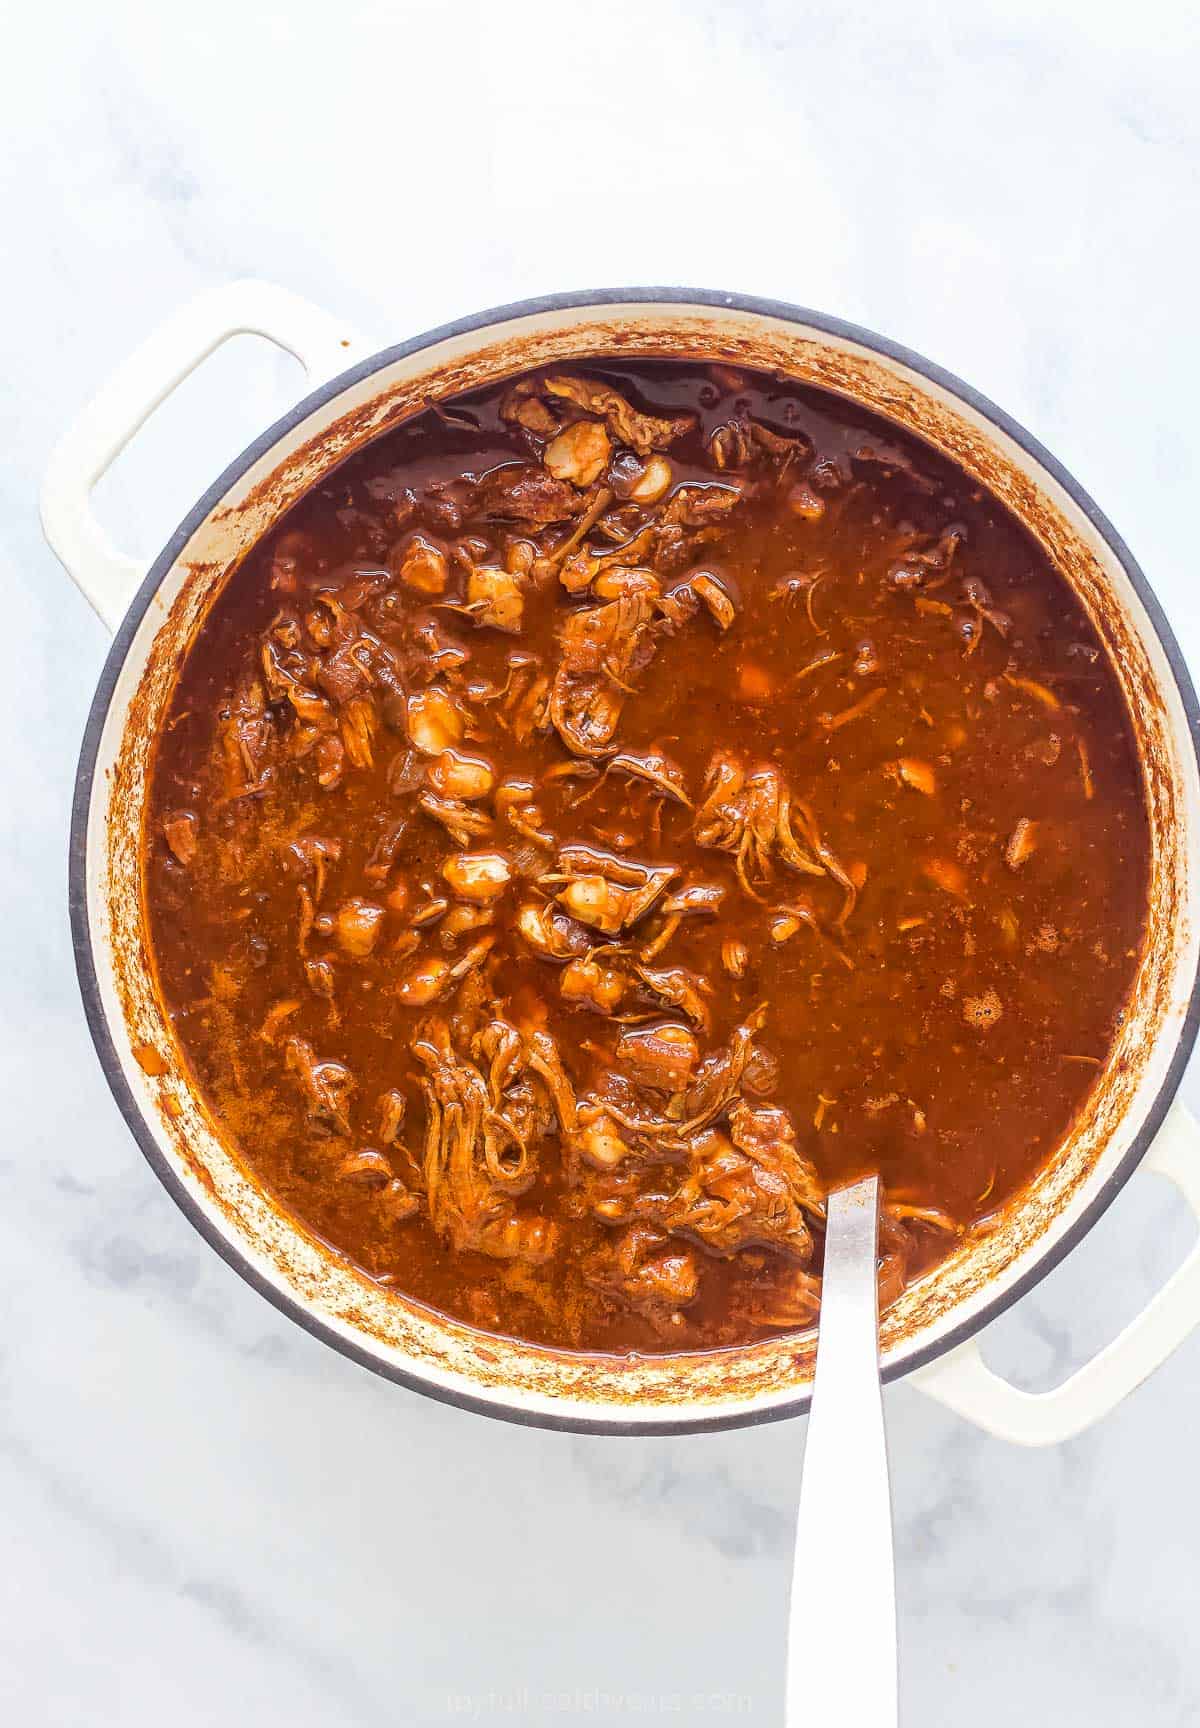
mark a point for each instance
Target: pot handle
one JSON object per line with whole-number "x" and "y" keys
{"x": 107, "y": 576}
{"x": 963, "y": 1382}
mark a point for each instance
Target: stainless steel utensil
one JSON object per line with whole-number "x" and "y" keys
{"x": 842, "y": 1670}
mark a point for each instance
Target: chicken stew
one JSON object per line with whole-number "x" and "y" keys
{"x": 618, "y": 806}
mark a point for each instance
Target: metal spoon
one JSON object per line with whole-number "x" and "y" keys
{"x": 841, "y": 1669}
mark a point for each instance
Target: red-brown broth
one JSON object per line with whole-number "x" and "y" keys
{"x": 952, "y": 725}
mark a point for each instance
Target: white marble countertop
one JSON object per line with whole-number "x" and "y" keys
{"x": 207, "y": 1516}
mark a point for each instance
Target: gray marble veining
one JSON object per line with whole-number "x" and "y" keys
{"x": 207, "y": 1516}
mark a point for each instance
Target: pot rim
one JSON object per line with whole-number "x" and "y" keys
{"x": 85, "y": 964}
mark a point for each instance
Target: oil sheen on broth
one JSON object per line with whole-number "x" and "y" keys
{"x": 612, "y": 809}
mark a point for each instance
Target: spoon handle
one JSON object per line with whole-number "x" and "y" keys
{"x": 841, "y": 1670}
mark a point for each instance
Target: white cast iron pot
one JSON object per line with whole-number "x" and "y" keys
{"x": 931, "y": 1332}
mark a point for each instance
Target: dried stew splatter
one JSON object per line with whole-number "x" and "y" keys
{"x": 613, "y": 808}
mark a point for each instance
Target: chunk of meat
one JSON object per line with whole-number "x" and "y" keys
{"x": 368, "y": 1168}
{"x": 246, "y": 737}
{"x": 525, "y": 492}
{"x": 527, "y": 705}
{"x": 752, "y": 814}
{"x": 652, "y": 768}
{"x": 293, "y": 551}
{"x": 735, "y": 957}
{"x": 752, "y": 1189}
{"x": 701, "y": 506}
{"x": 695, "y": 900}
{"x": 678, "y": 988}
{"x": 393, "y": 1107}
{"x": 358, "y": 724}
{"x": 384, "y": 852}
{"x": 899, "y": 1221}
{"x": 926, "y": 568}
{"x": 791, "y": 1299}
{"x": 551, "y": 933}
{"x": 647, "y": 1272}
{"x": 345, "y": 672}
{"x": 738, "y": 442}
{"x": 602, "y": 648}
{"x": 642, "y": 432}
{"x": 474, "y": 1162}
{"x": 662, "y": 1057}
{"x": 319, "y": 976}
{"x": 716, "y": 1084}
{"x": 180, "y": 830}
{"x": 461, "y": 821}
{"x": 730, "y": 444}
{"x": 586, "y": 713}
{"x": 646, "y": 1132}
{"x": 606, "y": 892}
{"x": 396, "y": 1203}
{"x": 312, "y": 856}
{"x": 479, "y": 1133}
{"x": 523, "y": 406}
{"x": 327, "y": 1086}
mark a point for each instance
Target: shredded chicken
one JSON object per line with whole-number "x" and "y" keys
{"x": 642, "y": 432}
{"x": 481, "y": 1135}
{"x": 751, "y": 813}
{"x": 750, "y": 1188}
{"x": 602, "y": 649}
{"x": 525, "y": 492}
{"x": 662, "y": 1057}
{"x": 461, "y": 821}
{"x": 246, "y": 737}
{"x": 604, "y": 891}
{"x": 652, "y": 769}
{"x": 647, "y": 1271}
{"x": 328, "y": 1086}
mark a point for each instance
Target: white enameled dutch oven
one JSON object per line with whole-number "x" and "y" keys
{"x": 931, "y": 1333}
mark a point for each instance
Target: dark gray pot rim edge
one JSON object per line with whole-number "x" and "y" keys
{"x": 81, "y": 932}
